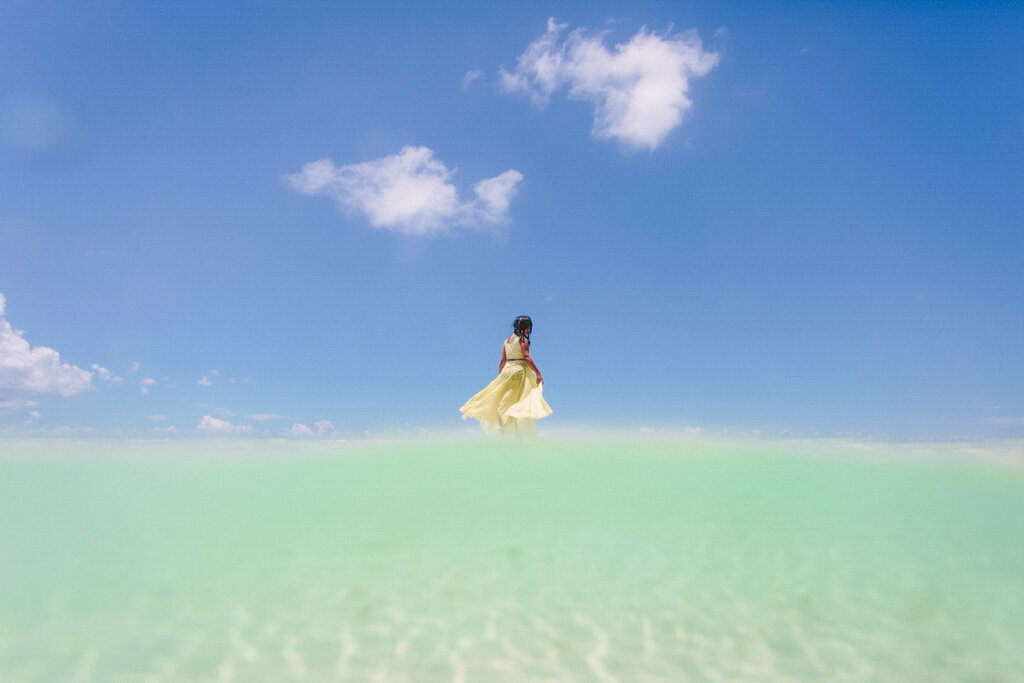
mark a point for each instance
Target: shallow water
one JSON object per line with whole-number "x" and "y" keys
{"x": 482, "y": 561}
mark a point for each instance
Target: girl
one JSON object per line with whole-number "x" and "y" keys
{"x": 514, "y": 399}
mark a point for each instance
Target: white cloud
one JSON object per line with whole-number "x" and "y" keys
{"x": 220, "y": 410}
{"x": 205, "y": 381}
{"x": 470, "y": 76}
{"x": 263, "y": 417}
{"x": 170, "y": 429}
{"x": 146, "y": 384}
{"x": 1007, "y": 421}
{"x": 105, "y": 374}
{"x": 73, "y": 429}
{"x": 640, "y": 91}
{"x": 29, "y": 371}
{"x": 410, "y": 192}
{"x": 495, "y": 194}
{"x": 211, "y": 425}
{"x": 14, "y": 405}
{"x": 37, "y": 124}
{"x": 321, "y": 428}
{"x": 299, "y": 430}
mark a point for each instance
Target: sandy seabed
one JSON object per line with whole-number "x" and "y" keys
{"x": 483, "y": 561}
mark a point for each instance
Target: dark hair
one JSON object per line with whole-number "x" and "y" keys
{"x": 520, "y": 326}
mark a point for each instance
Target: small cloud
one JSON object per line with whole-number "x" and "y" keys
{"x": 105, "y": 375}
{"x": 410, "y": 192}
{"x": 64, "y": 430}
{"x": 204, "y": 381}
{"x": 15, "y": 405}
{"x": 217, "y": 410}
{"x": 158, "y": 418}
{"x": 1007, "y": 421}
{"x": 211, "y": 425}
{"x": 37, "y": 124}
{"x": 470, "y": 76}
{"x": 146, "y": 384}
{"x": 324, "y": 427}
{"x": 299, "y": 430}
{"x": 29, "y": 371}
{"x": 640, "y": 90}
{"x": 263, "y": 417}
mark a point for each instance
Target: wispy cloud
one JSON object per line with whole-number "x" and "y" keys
{"x": 263, "y": 417}
{"x": 410, "y": 192}
{"x": 1007, "y": 421}
{"x": 470, "y": 76}
{"x": 27, "y": 372}
{"x": 36, "y": 124}
{"x": 11, "y": 405}
{"x": 105, "y": 375}
{"x": 640, "y": 90}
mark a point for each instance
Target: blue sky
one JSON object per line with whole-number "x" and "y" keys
{"x": 261, "y": 217}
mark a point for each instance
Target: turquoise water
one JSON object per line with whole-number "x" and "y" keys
{"x": 482, "y": 561}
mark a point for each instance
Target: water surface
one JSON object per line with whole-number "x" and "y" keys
{"x": 483, "y": 561}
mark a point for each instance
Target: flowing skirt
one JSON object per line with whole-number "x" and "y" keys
{"x": 510, "y": 403}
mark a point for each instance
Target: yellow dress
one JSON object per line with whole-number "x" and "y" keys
{"x": 513, "y": 400}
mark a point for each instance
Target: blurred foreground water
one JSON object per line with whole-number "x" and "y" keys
{"x": 484, "y": 561}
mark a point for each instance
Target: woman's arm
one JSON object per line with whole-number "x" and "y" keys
{"x": 501, "y": 365}
{"x": 525, "y": 345}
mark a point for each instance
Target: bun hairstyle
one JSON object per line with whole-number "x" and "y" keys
{"x": 520, "y": 326}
